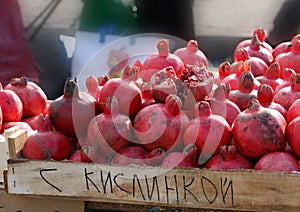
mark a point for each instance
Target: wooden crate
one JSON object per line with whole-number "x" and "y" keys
{"x": 192, "y": 189}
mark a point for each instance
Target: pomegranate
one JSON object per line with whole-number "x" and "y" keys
{"x": 47, "y": 145}
{"x": 271, "y": 76}
{"x": 258, "y": 131}
{"x": 191, "y": 54}
{"x": 265, "y": 95}
{"x": 261, "y": 35}
{"x": 222, "y": 106}
{"x": 33, "y": 121}
{"x": 257, "y": 65}
{"x": 207, "y": 131}
{"x": 286, "y": 77}
{"x": 71, "y": 112}
{"x": 187, "y": 158}
{"x": 294, "y": 111}
{"x": 11, "y": 105}
{"x": 111, "y": 130}
{"x": 195, "y": 85}
{"x": 234, "y": 78}
{"x": 245, "y": 93}
{"x": 277, "y": 161}
{"x": 224, "y": 70}
{"x": 161, "y": 125}
{"x": 163, "y": 84}
{"x": 32, "y": 96}
{"x": 289, "y": 59}
{"x": 160, "y": 60}
{"x": 123, "y": 87}
{"x": 285, "y": 47}
{"x": 286, "y": 96}
{"x": 257, "y": 49}
{"x": 147, "y": 98}
{"x": 292, "y": 133}
{"x": 228, "y": 158}
{"x": 130, "y": 155}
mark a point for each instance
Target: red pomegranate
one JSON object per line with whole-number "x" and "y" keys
{"x": 32, "y": 96}
{"x": 294, "y": 111}
{"x": 287, "y": 95}
{"x": 261, "y": 35}
{"x": 245, "y": 93}
{"x": 277, "y": 161}
{"x": 224, "y": 70}
{"x": 258, "y": 131}
{"x": 47, "y": 145}
{"x": 265, "y": 95}
{"x": 285, "y": 47}
{"x": 147, "y": 97}
{"x": 161, "y": 125}
{"x": 137, "y": 155}
{"x": 290, "y": 59}
{"x": 292, "y": 133}
{"x": 234, "y": 79}
{"x": 228, "y": 158}
{"x": 191, "y": 54}
{"x": 160, "y": 60}
{"x": 11, "y": 105}
{"x": 221, "y": 105}
{"x": 72, "y": 112}
{"x": 195, "y": 85}
{"x": 125, "y": 90}
{"x": 257, "y": 65}
{"x": 286, "y": 77}
{"x": 163, "y": 83}
{"x": 207, "y": 131}
{"x": 111, "y": 130}
{"x": 188, "y": 158}
{"x": 271, "y": 76}
{"x": 258, "y": 49}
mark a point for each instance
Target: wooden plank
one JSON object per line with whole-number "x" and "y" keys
{"x": 16, "y": 143}
{"x": 184, "y": 188}
{"x": 16, "y": 203}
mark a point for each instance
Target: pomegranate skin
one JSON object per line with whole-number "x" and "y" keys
{"x": 47, "y": 145}
{"x": 161, "y": 125}
{"x": 207, "y": 131}
{"x": 186, "y": 158}
{"x": 191, "y": 54}
{"x": 32, "y": 96}
{"x": 228, "y": 158}
{"x": 131, "y": 155}
{"x": 277, "y": 161}
{"x": 1, "y": 119}
{"x": 292, "y": 133}
{"x": 11, "y": 105}
{"x": 258, "y": 131}
{"x": 72, "y": 112}
{"x": 294, "y": 111}
{"x": 155, "y": 62}
{"x": 111, "y": 130}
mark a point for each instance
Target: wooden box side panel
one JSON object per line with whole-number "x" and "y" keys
{"x": 184, "y": 188}
{"x": 11, "y": 203}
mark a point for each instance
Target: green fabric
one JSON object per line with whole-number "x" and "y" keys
{"x": 109, "y": 14}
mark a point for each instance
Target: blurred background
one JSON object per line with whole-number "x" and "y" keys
{"x": 218, "y": 26}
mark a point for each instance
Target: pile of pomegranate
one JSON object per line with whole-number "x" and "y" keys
{"x": 171, "y": 111}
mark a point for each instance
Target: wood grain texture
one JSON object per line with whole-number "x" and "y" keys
{"x": 177, "y": 188}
